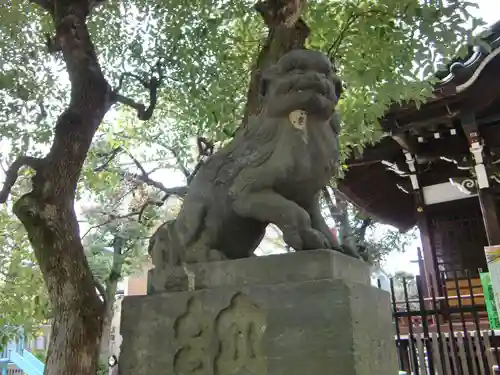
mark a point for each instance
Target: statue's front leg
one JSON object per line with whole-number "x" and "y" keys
{"x": 268, "y": 206}
{"x": 318, "y": 223}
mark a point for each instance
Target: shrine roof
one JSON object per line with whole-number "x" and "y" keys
{"x": 376, "y": 189}
{"x": 467, "y": 84}
{"x": 378, "y": 181}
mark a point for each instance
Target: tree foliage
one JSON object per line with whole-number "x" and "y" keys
{"x": 381, "y": 49}
{"x": 24, "y": 303}
{"x": 376, "y": 241}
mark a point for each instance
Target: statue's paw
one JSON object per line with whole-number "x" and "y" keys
{"x": 314, "y": 239}
{"x": 347, "y": 250}
{"x": 215, "y": 255}
{"x": 195, "y": 255}
{"x": 293, "y": 239}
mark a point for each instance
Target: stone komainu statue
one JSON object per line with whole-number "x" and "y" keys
{"x": 271, "y": 172}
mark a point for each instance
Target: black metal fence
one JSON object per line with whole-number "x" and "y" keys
{"x": 443, "y": 331}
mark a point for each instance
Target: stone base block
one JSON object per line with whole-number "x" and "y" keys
{"x": 311, "y": 313}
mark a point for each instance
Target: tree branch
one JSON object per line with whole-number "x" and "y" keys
{"x": 205, "y": 150}
{"x": 353, "y": 17}
{"x": 180, "y": 164}
{"x": 13, "y": 171}
{"x": 137, "y": 164}
{"x": 48, "y": 5}
{"x": 361, "y": 232}
{"x": 154, "y": 82}
{"x": 110, "y": 219}
{"x": 180, "y": 191}
{"x": 100, "y": 288}
{"x": 332, "y": 51}
{"x": 110, "y": 157}
{"x": 334, "y": 210}
{"x": 144, "y": 177}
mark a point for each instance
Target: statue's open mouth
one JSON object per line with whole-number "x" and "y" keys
{"x": 310, "y": 84}
{"x": 310, "y": 93}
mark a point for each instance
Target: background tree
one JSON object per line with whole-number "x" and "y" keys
{"x": 186, "y": 64}
{"x": 24, "y": 303}
{"x": 405, "y": 287}
{"x": 356, "y": 229}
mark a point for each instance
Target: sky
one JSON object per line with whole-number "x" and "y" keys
{"x": 489, "y": 10}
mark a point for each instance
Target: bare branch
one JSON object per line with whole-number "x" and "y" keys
{"x": 42, "y": 115}
{"x": 154, "y": 82}
{"x": 141, "y": 80}
{"x": 205, "y": 150}
{"x": 110, "y": 157}
{"x": 180, "y": 191}
{"x": 110, "y": 219}
{"x": 137, "y": 164}
{"x": 144, "y": 177}
{"x": 13, "y": 171}
{"x": 180, "y": 164}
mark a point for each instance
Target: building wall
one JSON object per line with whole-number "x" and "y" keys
{"x": 458, "y": 236}
{"x": 137, "y": 284}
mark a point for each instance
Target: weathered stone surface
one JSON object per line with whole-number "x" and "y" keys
{"x": 314, "y": 314}
{"x": 272, "y": 171}
{"x": 272, "y": 269}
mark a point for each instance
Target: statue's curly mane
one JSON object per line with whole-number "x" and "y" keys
{"x": 271, "y": 172}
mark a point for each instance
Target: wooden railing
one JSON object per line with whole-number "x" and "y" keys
{"x": 443, "y": 333}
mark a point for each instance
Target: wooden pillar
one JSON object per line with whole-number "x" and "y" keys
{"x": 430, "y": 261}
{"x": 486, "y": 200}
{"x": 490, "y": 216}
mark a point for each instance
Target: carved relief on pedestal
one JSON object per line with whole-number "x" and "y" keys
{"x": 194, "y": 332}
{"x": 236, "y": 336}
{"x": 239, "y": 329}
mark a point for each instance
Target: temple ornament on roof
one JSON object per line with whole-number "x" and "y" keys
{"x": 460, "y": 71}
{"x": 462, "y": 86}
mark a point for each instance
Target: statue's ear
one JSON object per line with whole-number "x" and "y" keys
{"x": 339, "y": 88}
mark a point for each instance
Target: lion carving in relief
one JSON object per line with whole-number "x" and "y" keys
{"x": 271, "y": 172}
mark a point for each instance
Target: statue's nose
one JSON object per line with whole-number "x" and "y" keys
{"x": 325, "y": 85}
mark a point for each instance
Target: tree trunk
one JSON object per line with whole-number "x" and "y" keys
{"x": 108, "y": 318}
{"x": 346, "y": 234}
{"x": 110, "y": 295}
{"x": 283, "y": 36}
{"x": 47, "y": 211}
{"x": 53, "y": 232}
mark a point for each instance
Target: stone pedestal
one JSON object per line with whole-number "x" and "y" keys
{"x": 305, "y": 313}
